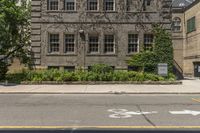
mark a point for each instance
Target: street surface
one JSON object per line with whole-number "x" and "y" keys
{"x": 102, "y": 111}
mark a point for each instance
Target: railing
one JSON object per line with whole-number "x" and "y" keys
{"x": 178, "y": 70}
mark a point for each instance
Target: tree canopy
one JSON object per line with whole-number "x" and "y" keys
{"x": 14, "y": 31}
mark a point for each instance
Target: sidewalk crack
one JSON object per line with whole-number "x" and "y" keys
{"x": 86, "y": 87}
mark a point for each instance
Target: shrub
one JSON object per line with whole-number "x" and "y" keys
{"x": 80, "y": 75}
{"x": 139, "y": 77}
{"x": 152, "y": 77}
{"x": 171, "y": 77}
{"x": 121, "y": 76}
{"x": 101, "y": 68}
{"x": 146, "y": 61}
{"x": 106, "y": 77}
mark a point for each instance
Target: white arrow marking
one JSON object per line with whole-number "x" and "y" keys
{"x": 141, "y": 113}
{"x": 123, "y": 113}
{"x": 185, "y": 112}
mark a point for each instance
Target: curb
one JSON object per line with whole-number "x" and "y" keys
{"x": 102, "y": 93}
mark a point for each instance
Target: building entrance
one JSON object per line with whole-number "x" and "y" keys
{"x": 197, "y": 69}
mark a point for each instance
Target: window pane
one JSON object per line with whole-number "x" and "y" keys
{"x": 54, "y": 43}
{"x": 132, "y": 43}
{"x": 109, "y": 5}
{"x": 109, "y": 43}
{"x": 191, "y": 25}
{"x": 52, "y": 5}
{"x": 69, "y": 68}
{"x": 70, "y": 5}
{"x": 93, "y": 44}
{"x": 176, "y": 24}
{"x": 148, "y": 42}
{"x": 92, "y": 5}
{"x": 69, "y": 43}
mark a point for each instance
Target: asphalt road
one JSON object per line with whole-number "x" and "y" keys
{"x": 99, "y": 111}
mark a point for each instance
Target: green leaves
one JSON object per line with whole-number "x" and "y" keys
{"x": 162, "y": 53}
{"x": 14, "y": 31}
{"x": 163, "y": 47}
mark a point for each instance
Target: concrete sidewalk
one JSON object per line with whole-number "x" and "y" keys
{"x": 188, "y": 87}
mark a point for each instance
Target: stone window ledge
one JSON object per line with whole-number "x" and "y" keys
{"x": 61, "y": 54}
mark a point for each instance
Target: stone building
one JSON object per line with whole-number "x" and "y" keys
{"x": 69, "y": 34}
{"x": 186, "y": 38}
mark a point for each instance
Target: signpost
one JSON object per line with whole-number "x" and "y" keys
{"x": 162, "y": 69}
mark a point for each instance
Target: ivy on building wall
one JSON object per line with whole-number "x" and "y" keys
{"x": 162, "y": 52}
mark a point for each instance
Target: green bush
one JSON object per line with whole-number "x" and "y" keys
{"x": 121, "y": 76}
{"x": 80, "y": 75}
{"x": 101, "y": 68}
{"x": 139, "y": 77}
{"x": 146, "y": 61}
{"x": 152, "y": 77}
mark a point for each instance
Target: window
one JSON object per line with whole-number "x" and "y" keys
{"x": 133, "y": 43}
{"x": 53, "y": 67}
{"x": 69, "y": 68}
{"x": 69, "y": 5}
{"x": 69, "y": 43}
{"x": 89, "y": 68}
{"x": 92, "y": 5}
{"x": 109, "y": 5}
{"x": 93, "y": 44}
{"x": 148, "y": 42}
{"x": 53, "y": 43}
{"x": 130, "y": 5}
{"x": 52, "y": 5}
{"x": 133, "y": 68}
{"x": 148, "y": 2}
{"x": 109, "y": 44}
{"x": 176, "y": 24}
{"x": 191, "y": 25}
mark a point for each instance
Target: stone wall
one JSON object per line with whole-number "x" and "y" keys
{"x": 118, "y": 22}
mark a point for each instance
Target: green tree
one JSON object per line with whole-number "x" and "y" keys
{"x": 163, "y": 46}
{"x": 14, "y": 32}
{"x": 162, "y": 53}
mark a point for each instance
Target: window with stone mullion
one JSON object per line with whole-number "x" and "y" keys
{"x": 52, "y": 4}
{"x": 148, "y": 42}
{"x": 109, "y": 44}
{"x": 70, "y": 5}
{"x": 132, "y": 43}
{"x": 109, "y": 5}
{"x": 93, "y": 44}
{"x": 92, "y": 5}
{"x": 54, "y": 43}
{"x": 69, "y": 43}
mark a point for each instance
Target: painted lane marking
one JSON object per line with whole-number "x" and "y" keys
{"x": 185, "y": 112}
{"x": 196, "y": 100}
{"x": 123, "y": 113}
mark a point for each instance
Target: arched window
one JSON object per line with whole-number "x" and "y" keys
{"x": 176, "y": 24}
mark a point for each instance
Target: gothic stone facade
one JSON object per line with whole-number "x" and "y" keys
{"x": 70, "y": 34}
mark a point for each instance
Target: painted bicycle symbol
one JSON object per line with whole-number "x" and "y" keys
{"x": 124, "y": 113}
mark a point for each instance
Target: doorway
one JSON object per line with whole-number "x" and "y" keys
{"x": 196, "y": 69}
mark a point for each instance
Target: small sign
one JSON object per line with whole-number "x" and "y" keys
{"x": 162, "y": 69}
